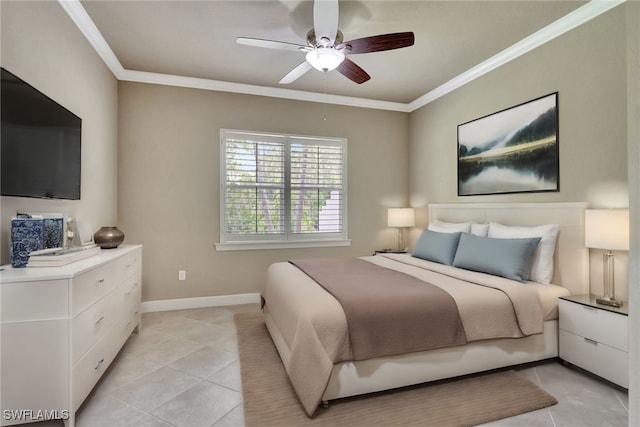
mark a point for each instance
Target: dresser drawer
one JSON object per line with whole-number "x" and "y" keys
{"x": 128, "y": 291}
{"x": 87, "y": 372}
{"x": 37, "y": 300}
{"x": 605, "y": 361}
{"x": 92, "y": 365}
{"x": 130, "y": 319}
{"x": 134, "y": 316}
{"x": 129, "y": 265}
{"x": 90, "y": 325}
{"x": 90, "y": 287}
{"x": 596, "y": 324}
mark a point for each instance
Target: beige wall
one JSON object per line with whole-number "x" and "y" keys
{"x": 42, "y": 46}
{"x": 169, "y": 181}
{"x": 587, "y": 66}
{"x": 633, "y": 127}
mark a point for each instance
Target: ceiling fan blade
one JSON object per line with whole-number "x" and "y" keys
{"x": 270, "y": 44}
{"x": 352, "y": 71}
{"x": 296, "y": 73}
{"x": 325, "y": 21}
{"x": 379, "y": 43}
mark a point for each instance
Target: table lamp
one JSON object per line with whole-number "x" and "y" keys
{"x": 607, "y": 229}
{"x": 401, "y": 218}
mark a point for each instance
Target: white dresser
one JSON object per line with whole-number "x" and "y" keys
{"x": 595, "y": 337}
{"x": 61, "y": 328}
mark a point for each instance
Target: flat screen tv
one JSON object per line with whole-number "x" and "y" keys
{"x": 40, "y": 155}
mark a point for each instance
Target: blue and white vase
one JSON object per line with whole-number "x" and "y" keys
{"x": 27, "y": 234}
{"x": 53, "y": 232}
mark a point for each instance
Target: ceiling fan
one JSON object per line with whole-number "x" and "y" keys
{"x": 325, "y": 49}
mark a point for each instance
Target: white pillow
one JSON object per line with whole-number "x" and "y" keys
{"x": 464, "y": 227}
{"x": 449, "y": 227}
{"x": 479, "y": 229}
{"x": 542, "y": 265}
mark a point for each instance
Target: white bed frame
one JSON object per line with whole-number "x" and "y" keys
{"x": 570, "y": 270}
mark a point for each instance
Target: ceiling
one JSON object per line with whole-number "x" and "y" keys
{"x": 197, "y": 39}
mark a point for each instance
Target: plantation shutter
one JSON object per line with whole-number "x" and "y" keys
{"x": 282, "y": 187}
{"x": 254, "y": 185}
{"x": 316, "y": 187}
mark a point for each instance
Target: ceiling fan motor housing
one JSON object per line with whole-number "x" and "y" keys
{"x": 313, "y": 42}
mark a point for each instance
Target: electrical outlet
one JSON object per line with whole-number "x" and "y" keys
{"x": 182, "y": 274}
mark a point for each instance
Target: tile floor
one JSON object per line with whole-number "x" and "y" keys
{"x": 182, "y": 370}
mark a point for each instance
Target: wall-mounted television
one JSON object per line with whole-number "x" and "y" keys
{"x": 40, "y": 143}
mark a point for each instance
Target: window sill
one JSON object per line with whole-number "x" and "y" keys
{"x": 249, "y": 246}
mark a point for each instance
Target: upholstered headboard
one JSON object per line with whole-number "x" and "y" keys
{"x": 571, "y": 259}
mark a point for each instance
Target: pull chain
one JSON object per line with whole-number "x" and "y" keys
{"x": 324, "y": 103}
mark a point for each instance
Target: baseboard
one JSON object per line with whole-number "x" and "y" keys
{"x": 201, "y": 302}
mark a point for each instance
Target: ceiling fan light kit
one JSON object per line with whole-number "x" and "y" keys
{"x": 325, "y": 58}
{"x": 325, "y": 50}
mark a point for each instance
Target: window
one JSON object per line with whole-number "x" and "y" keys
{"x": 282, "y": 190}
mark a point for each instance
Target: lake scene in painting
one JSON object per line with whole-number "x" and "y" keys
{"x": 512, "y": 151}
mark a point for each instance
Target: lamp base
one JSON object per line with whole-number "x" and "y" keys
{"x": 609, "y": 301}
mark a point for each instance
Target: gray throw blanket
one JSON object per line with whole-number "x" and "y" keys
{"x": 387, "y": 312}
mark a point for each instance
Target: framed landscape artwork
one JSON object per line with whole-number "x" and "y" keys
{"x": 511, "y": 151}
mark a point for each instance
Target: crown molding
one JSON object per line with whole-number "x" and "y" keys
{"x": 273, "y": 92}
{"x": 567, "y": 23}
{"x": 583, "y": 14}
{"x": 79, "y": 16}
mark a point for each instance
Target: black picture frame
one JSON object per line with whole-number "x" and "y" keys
{"x": 515, "y": 150}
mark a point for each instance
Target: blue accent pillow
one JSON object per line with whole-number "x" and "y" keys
{"x": 510, "y": 258}
{"x": 436, "y": 247}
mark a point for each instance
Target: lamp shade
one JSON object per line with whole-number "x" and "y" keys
{"x": 607, "y": 229}
{"x": 325, "y": 58}
{"x": 401, "y": 217}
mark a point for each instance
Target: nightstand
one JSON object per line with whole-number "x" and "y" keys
{"x": 595, "y": 337}
{"x": 390, "y": 251}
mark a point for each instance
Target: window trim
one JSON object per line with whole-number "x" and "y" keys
{"x": 281, "y": 244}
{"x": 287, "y": 239}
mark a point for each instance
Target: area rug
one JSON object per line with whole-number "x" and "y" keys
{"x": 269, "y": 398}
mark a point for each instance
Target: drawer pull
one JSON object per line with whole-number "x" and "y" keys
{"x": 588, "y": 308}
{"x": 100, "y": 282}
{"x": 134, "y": 317}
{"x": 135, "y": 285}
{"x": 591, "y": 341}
{"x": 99, "y": 320}
{"x": 99, "y": 363}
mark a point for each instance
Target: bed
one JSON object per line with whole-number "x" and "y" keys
{"x": 310, "y": 330}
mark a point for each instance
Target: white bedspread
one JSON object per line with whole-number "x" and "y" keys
{"x": 313, "y": 325}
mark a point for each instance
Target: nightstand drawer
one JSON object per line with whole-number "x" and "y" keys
{"x": 607, "y": 362}
{"x": 598, "y": 325}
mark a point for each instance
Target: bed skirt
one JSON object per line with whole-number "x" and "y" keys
{"x": 383, "y": 373}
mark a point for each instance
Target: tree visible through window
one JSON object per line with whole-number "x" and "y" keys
{"x": 282, "y": 187}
